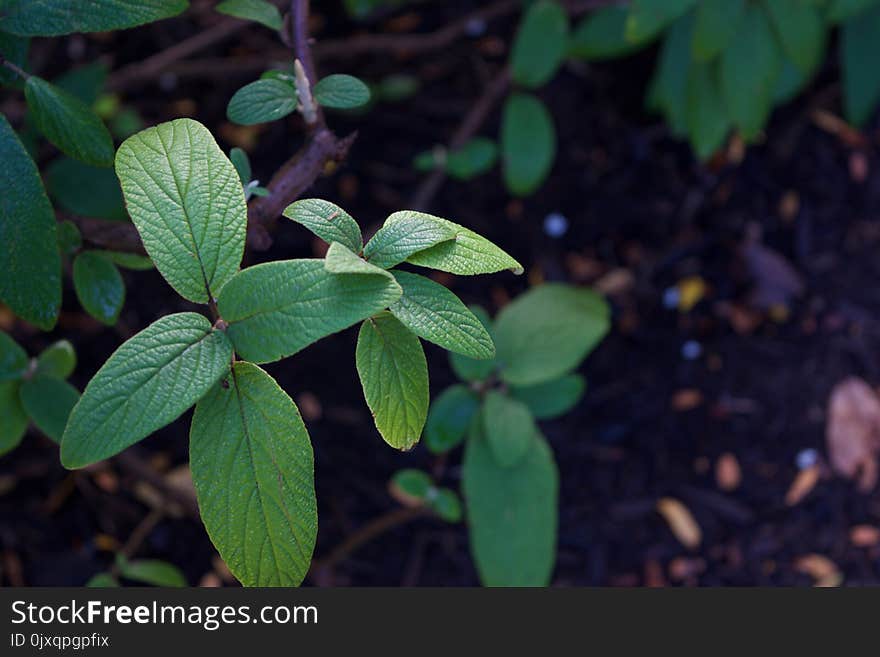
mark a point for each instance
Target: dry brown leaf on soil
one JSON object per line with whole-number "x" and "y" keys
{"x": 864, "y": 536}
{"x": 728, "y": 474}
{"x": 681, "y": 521}
{"x": 853, "y": 431}
{"x": 823, "y": 571}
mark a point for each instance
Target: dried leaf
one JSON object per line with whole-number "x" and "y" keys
{"x": 864, "y": 536}
{"x": 681, "y": 522}
{"x": 853, "y": 431}
{"x": 823, "y": 571}
{"x": 728, "y": 474}
{"x": 805, "y": 481}
{"x": 686, "y": 399}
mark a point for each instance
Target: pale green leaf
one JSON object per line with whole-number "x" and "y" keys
{"x": 340, "y": 259}
{"x": 99, "y": 286}
{"x": 548, "y": 331}
{"x": 299, "y": 302}
{"x": 394, "y": 375}
{"x": 551, "y": 399}
{"x": 68, "y": 123}
{"x": 147, "y": 383}
{"x": 48, "y": 402}
{"x": 540, "y": 44}
{"x": 58, "y": 360}
{"x": 472, "y": 369}
{"x": 253, "y": 469}
{"x": 13, "y": 359}
{"x": 647, "y": 18}
{"x": 449, "y": 417}
{"x": 13, "y": 420}
{"x": 102, "y": 581}
{"x": 56, "y": 17}
{"x": 435, "y": 314}
{"x": 528, "y": 143}
{"x": 403, "y": 235}
{"x": 859, "y": 61}
{"x": 341, "y": 92}
{"x": 467, "y": 254}
{"x": 715, "y": 24}
{"x": 512, "y": 514}
{"x": 151, "y": 571}
{"x": 85, "y": 190}
{"x": 259, "y": 11}
{"x": 509, "y": 428}
{"x": 328, "y": 221}
{"x": 262, "y": 101}
{"x": 187, "y": 203}
{"x": 30, "y": 262}
{"x": 473, "y": 159}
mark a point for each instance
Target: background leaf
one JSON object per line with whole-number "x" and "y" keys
{"x": 512, "y": 514}
{"x": 476, "y": 157}
{"x": 48, "y": 402}
{"x": 151, "y": 571}
{"x": 341, "y": 92}
{"x": 68, "y": 123}
{"x": 540, "y": 44}
{"x": 707, "y": 119}
{"x": 56, "y": 17}
{"x": 647, "y": 18}
{"x": 801, "y": 32}
{"x": 528, "y": 143}
{"x": 471, "y": 369}
{"x": 449, "y": 417}
{"x": 551, "y": 399}
{"x": 715, "y": 24}
{"x": 860, "y": 58}
{"x": 261, "y": 101}
{"x": 547, "y": 331}
{"x": 31, "y": 266}
{"x": 299, "y": 303}
{"x": 57, "y": 360}
{"x": 99, "y": 286}
{"x": 435, "y": 314}
{"x": 602, "y": 35}
{"x": 254, "y": 474}
{"x": 394, "y": 375}
{"x": 187, "y": 203}
{"x": 13, "y": 420}
{"x": 328, "y": 221}
{"x": 14, "y": 49}
{"x": 668, "y": 89}
{"x": 13, "y": 359}
{"x": 85, "y": 190}
{"x": 146, "y": 383}
{"x": 259, "y": 11}
{"x": 509, "y": 428}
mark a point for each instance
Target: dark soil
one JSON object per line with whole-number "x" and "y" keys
{"x": 637, "y": 203}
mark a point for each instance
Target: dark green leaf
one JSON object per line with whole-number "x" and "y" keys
{"x": 69, "y": 237}
{"x": 133, "y": 261}
{"x": 707, "y": 119}
{"x": 528, "y": 143}
{"x": 13, "y": 359}
{"x": 260, "y": 11}
{"x": 102, "y": 581}
{"x": 241, "y": 163}
{"x": 602, "y": 35}
{"x": 57, "y": 360}
{"x": 553, "y": 398}
{"x": 151, "y": 571}
{"x": 801, "y": 32}
{"x": 262, "y": 101}
{"x": 13, "y": 420}
{"x": 410, "y": 487}
{"x": 48, "y": 402}
{"x": 841, "y": 10}
{"x": 716, "y": 23}
{"x": 15, "y": 50}
{"x": 446, "y": 505}
{"x": 85, "y": 82}
{"x": 860, "y": 60}
{"x": 99, "y": 286}
{"x": 473, "y": 159}
{"x": 30, "y": 262}
{"x": 540, "y": 44}
{"x": 449, "y": 418}
{"x": 85, "y": 190}
{"x": 647, "y": 18}
{"x": 668, "y": 91}
{"x": 56, "y": 17}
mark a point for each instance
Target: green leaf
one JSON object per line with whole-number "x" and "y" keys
{"x": 801, "y": 32}
{"x": 299, "y": 303}
{"x": 716, "y": 23}
{"x": 528, "y": 143}
{"x": 473, "y": 159}
{"x": 394, "y": 375}
{"x": 647, "y": 18}
{"x": 472, "y": 369}
{"x": 241, "y": 163}
{"x": 509, "y": 428}
{"x": 13, "y": 359}
{"x": 84, "y": 190}
{"x": 258, "y": 11}
{"x": 540, "y": 44}
{"x": 102, "y": 581}
{"x": 449, "y": 417}
{"x": 467, "y": 254}
{"x": 328, "y": 221}
{"x": 68, "y": 123}
{"x": 56, "y": 17}
{"x": 30, "y": 262}
{"x": 403, "y": 235}
{"x": 602, "y": 35}
{"x": 69, "y": 238}
{"x": 512, "y": 514}
{"x": 341, "y": 92}
{"x": 860, "y": 59}
{"x": 48, "y": 402}
{"x": 749, "y": 69}
{"x": 132, "y": 261}
{"x": 548, "y": 331}
{"x": 254, "y": 474}
{"x": 151, "y": 571}
{"x": 551, "y": 399}
{"x": 668, "y": 90}
{"x": 146, "y": 383}
{"x": 446, "y": 505}
{"x": 57, "y": 360}
{"x": 410, "y": 487}
{"x": 841, "y": 10}
{"x": 99, "y": 286}
{"x": 187, "y": 203}
{"x": 261, "y": 101}
{"x": 340, "y": 260}
{"x": 13, "y": 420}
{"x": 14, "y": 49}
{"x": 435, "y": 314}
{"x": 707, "y": 119}
{"x": 84, "y": 82}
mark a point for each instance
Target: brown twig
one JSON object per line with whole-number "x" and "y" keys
{"x": 469, "y": 126}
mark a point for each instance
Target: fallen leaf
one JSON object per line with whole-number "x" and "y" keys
{"x": 853, "y": 431}
{"x": 805, "y": 481}
{"x": 686, "y": 399}
{"x": 824, "y": 572}
{"x": 728, "y": 474}
{"x": 615, "y": 282}
{"x": 681, "y": 522}
{"x": 864, "y": 536}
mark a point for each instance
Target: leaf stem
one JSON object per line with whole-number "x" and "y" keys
{"x": 20, "y": 72}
